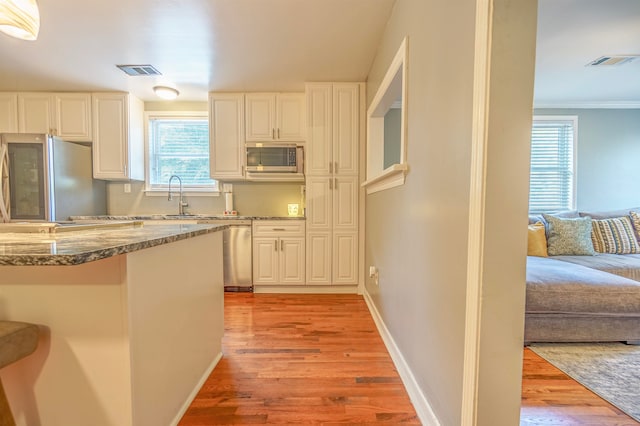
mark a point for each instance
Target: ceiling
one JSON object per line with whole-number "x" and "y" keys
{"x": 197, "y": 45}
{"x": 571, "y": 34}
{"x": 277, "y": 45}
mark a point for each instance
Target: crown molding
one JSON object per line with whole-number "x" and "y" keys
{"x": 588, "y": 105}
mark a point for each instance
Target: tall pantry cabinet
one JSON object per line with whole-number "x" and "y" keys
{"x": 331, "y": 164}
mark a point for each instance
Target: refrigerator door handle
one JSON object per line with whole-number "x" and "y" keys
{"x": 4, "y": 183}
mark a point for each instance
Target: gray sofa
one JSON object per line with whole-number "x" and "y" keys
{"x": 583, "y": 298}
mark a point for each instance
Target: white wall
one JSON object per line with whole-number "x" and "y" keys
{"x": 607, "y": 157}
{"x": 417, "y": 234}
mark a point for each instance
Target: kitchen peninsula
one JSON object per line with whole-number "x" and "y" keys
{"x": 131, "y": 321}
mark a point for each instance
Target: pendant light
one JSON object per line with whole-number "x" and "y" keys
{"x": 20, "y": 18}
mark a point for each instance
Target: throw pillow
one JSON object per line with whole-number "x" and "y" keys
{"x": 635, "y": 220}
{"x": 569, "y": 236}
{"x": 614, "y": 235}
{"x": 537, "y": 240}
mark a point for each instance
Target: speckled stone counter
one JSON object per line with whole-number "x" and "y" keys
{"x": 77, "y": 247}
{"x": 126, "y": 339}
{"x": 185, "y": 217}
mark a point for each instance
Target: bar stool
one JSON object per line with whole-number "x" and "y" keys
{"x": 17, "y": 340}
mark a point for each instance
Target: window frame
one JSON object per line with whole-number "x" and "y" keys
{"x": 574, "y": 159}
{"x": 161, "y": 189}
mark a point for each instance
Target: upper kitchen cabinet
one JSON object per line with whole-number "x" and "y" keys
{"x": 8, "y": 112}
{"x": 118, "y": 136}
{"x": 226, "y": 135}
{"x": 333, "y": 117}
{"x": 275, "y": 117}
{"x": 66, "y": 115}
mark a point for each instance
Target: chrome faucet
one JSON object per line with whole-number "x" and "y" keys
{"x": 181, "y": 204}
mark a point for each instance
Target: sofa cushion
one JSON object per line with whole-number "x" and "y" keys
{"x": 614, "y": 235}
{"x": 537, "y": 240}
{"x": 569, "y": 235}
{"x": 627, "y": 266}
{"x": 560, "y": 287}
{"x": 607, "y": 214}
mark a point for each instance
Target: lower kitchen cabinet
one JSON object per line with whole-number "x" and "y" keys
{"x": 332, "y": 257}
{"x": 278, "y": 252}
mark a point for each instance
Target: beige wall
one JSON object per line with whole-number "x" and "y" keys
{"x": 250, "y": 199}
{"x": 417, "y": 234}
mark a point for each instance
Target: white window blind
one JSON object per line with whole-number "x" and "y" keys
{"x": 179, "y": 145}
{"x": 552, "y": 180}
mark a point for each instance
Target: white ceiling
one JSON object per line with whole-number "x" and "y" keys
{"x": 572, "y": 33}
{"x": 197, "y": 45}
{"x": 277, "y": 45}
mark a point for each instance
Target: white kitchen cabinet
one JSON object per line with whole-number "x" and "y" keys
{"x": 226, "y": 136}
{"x": 278, "y": 252}
{"x": 118, "y": 136}
{"x": 8, "y": 112}
{"x": 275, "y": 117}
{"x": 66, "y": 115}
{"x": 332, "y": 185}
{"x": 333, "y": 135}
{"x": 332, "y": 203}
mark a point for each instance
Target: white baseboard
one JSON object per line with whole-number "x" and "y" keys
{"x": 306, "y": 289}
{"x": 419, "y": 400}
{"x": 196, "y": 389}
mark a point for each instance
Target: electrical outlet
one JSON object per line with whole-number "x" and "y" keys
{"x": 373, "y": 273}
{"x": 127, "y": 188}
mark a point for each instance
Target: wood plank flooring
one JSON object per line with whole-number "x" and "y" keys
{"x": 306, "y": 359}
{"x": 311, "y": 359}
{"x": 551, "y": 398}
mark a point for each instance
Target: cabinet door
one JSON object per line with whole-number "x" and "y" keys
{"x": 73, "y": 116}
{"x": 35, "y": 113}
{"x": 319, "y": 120}
{"x": 345, "y": 203}
{"x": 265, "y": 260}
{"x": 345, "y": 258}
{"x": 291, "y": 258}
{"x": 8, "y": 112}
{"x": 345, "y": 129}
{"x": 319, "y": 202}
{"x": 260, "y": 116}
{"x": 290, "y": 117}
{"x": 226, "y": 135}
{"x": 318, "y": 250}
{"x": 110, "y": 149}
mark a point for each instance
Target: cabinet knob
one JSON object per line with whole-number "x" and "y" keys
{"x": 281, "y": 245}
{"x": 275, "y": 245}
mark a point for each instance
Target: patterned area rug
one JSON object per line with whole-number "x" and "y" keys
{"x": 611, "y": 370}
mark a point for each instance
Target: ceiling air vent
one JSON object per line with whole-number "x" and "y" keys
{"x": 139, "y": 70}
{"x": 612, "y": 60}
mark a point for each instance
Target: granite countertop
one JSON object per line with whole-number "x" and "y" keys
{"x": 82, "y": 246}
{"x": 184, "y": 217}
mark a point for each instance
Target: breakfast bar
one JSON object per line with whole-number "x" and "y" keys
{"x": 131, "y": 321}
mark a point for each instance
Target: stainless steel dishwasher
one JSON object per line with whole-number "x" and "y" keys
{"x": 238, "y": 273}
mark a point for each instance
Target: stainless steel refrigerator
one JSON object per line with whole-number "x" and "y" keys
{"x": 43, "y": 178}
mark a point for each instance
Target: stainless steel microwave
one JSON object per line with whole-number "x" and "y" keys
{"x": 274, "y": 158}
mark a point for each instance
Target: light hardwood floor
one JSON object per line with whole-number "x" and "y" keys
{"x": 305, "y": 359}
{"x": 311, "y": 359}
{"x": 551, "y": 398}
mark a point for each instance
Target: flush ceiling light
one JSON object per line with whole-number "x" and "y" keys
{"x": 166, "y": 92}
{"x": 20, "y": 18}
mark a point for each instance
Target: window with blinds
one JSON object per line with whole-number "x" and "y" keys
{"x": 179, "y": 145}
{"x": 552, "y": 180}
